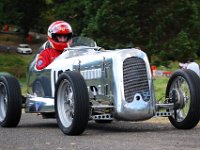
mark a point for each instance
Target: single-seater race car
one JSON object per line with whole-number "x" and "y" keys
{"x": 87, "y": 83}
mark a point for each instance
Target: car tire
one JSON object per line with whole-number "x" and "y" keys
{"x": 10, "y": 101}
{"x": 71, "y": 103}
{"x": 183, "y": 90}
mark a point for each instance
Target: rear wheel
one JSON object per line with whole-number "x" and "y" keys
{"x": 10, "y": 101}
{"x": 183, "y": 90}
{"x": 72, "y": 103}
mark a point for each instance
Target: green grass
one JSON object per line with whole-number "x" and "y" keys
{"x": 16, "y": 65}
{"x": 23, "y": 84}
{"x": 160, "y": 84}
{"x": 12, "y": 64}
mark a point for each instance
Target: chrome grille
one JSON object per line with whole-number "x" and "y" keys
{"x": 135, "y": 77}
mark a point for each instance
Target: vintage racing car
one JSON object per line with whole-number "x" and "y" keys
{"x": 87, "y": 83}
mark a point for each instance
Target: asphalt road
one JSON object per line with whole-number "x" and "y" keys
{"x": 35, "y": 133}
{"x": 8, "y": 48}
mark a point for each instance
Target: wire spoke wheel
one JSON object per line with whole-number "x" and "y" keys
{"x": 180, "y": 93}
{"x": 183, "y": 90}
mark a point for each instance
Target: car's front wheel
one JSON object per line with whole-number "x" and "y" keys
{"x": 71, "y": 103}
{"x": 183, "y": 90}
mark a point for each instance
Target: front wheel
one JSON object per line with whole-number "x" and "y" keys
{"x": 71, "y": 103}
{"x": 183, "y": 90}
{"x": 10, "y": 101}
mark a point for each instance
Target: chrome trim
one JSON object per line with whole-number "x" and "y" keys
{"x": 138, "y": 108}
{"x": 39, "y": 104}
{"x": 102, "y": 117}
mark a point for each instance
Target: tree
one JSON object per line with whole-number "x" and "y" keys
{"x": 153, "y": 25}
{"x": 113, "y": 25}
{"x": 30, "y": 12}
{"x": 181, "y": 47}
{"x": 177, "y": 31}
{"x": 1, "y": 12}
{"x": 9, "y": 12}
{"x": 23, "y": 13}
{"x": 71, "y": 11}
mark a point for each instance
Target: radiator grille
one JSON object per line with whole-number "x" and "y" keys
{"x": 135, "y": 77}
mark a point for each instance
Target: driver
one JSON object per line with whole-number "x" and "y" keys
{"x": 59, "y": 35}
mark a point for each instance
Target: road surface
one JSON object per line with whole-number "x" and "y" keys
{"x": 35, "y": 133}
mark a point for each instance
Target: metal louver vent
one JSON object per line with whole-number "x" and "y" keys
{"x": 135, "y": 77}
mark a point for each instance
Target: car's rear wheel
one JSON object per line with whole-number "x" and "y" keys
{"x": 183, "y": 90}
{"x": 10, "y": 101}
{"x": 71, "y": 103}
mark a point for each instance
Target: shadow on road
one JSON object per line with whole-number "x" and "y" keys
{"x": 124, "y": 126}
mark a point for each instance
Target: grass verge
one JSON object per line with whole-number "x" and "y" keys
{"x": 160, "y": 85}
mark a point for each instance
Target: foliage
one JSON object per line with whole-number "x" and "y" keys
{"x": 22, "y": 13}
{"x": 72, "y": 12}
{"x": 13, "y": 64}
{"x": 156, "y": 26}
{"x": 113, "y": 25}
{"x": 169, "y": 29}
{"x": 182, "y": 47}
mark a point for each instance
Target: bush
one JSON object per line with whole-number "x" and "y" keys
{"x": 13, "y": 64}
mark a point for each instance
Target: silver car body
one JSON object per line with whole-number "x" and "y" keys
{"x": 119, "y": 82}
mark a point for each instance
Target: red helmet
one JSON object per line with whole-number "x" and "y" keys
{"x": 59, "y": 28}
